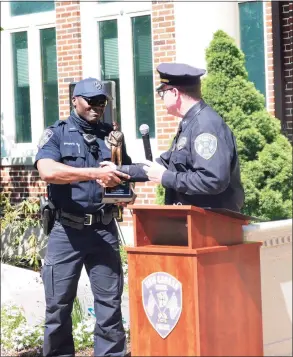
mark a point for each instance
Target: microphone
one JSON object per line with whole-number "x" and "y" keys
{"x": 144, "y": 130}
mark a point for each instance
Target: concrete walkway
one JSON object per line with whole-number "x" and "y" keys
{"x": 24, "y": 287}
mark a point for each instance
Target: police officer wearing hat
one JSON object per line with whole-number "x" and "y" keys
{"x": 84, "y": 233}
{"x": 201, "y": 168}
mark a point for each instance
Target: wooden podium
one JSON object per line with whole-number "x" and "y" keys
{"x": 194, "y": 286}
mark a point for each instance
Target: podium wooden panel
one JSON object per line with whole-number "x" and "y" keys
{"x": 220, "y": 275}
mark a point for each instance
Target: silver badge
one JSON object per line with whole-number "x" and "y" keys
{"x": 206, "y": 145}
{"x": 107, "y": 142}
{"x": 98, "y": 85}
{"x": 181, "y": 142}
{"x": 47, "y": 134}
{"x": 162, "y": 301}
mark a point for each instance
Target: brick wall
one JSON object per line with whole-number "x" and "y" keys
{"x": 287, "y": 36}
{"x": 270, "y": 61}
{"x": 69, "y": 55}
{"x": 22, "y": 182}
{"x": 164, "y": 50}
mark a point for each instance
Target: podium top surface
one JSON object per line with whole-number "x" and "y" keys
{"x": 165, "y": 207}
{"x": 221, "y": 211}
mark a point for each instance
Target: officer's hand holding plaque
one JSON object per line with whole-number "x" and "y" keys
{"x": 122, "y": 192}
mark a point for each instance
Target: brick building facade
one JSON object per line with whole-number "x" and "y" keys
{"x": 23, "y": 181}
{"x": 287, "y": 65}
{"x": 279, "y": 21}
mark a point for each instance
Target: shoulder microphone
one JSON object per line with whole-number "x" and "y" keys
{"x": 144, "y": 130}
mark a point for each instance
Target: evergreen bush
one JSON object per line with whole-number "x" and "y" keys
{"x": 265, "y": 153}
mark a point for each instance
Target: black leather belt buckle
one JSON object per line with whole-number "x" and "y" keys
{"x": 88, "y": 219}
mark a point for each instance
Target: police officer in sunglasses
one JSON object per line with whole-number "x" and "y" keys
{"x": 84, "y": 232}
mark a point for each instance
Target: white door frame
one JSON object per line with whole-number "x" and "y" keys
{"x": 32, "y": 24}
{"x": 90, "y": 14}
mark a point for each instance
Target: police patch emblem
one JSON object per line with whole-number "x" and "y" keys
{"x": 47, "y": 134}
{"x": 206, "y": 145}
{"x": 162, "y": 301}
{"x": 181, "y": 143}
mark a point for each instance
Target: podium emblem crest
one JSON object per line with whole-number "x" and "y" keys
{"x": 162, "y": 301}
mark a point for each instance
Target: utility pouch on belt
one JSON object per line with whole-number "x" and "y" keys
{"x": 47, "y": 214}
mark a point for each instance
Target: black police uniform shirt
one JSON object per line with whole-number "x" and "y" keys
{"x": 63, "y": 142}
{"x": 203, "y": 166}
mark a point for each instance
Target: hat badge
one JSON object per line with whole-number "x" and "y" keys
{"x": 98, "y": 85}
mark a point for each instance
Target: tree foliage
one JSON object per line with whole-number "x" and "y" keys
{"x": 265, "y": 154}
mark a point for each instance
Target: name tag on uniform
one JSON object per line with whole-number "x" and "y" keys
{"x": 73, "y": 144}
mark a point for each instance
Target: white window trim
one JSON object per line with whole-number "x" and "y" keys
{"x": 22, "y": 153}
{"x": 90, "y": 14}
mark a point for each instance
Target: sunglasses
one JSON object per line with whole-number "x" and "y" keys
{"x": 96, "y": 101}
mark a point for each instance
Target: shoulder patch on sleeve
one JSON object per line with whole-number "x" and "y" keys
{"x": 205, "y": 145}
{"x": 47, "y": 135}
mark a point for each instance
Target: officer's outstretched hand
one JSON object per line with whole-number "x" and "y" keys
{"x": 109, "y": 164}
{"x": 121, "y": 204}
{"x": 110, "y": 177}
{"x": 154, "y": 171}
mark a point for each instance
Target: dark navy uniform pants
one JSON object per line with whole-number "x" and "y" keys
{"x": 68, "y": 250}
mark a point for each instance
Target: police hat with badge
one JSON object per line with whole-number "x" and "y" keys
{"x": 89, "y": 88}
{"x": 178, "y": 74}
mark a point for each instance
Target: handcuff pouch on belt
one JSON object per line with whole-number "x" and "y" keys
{"x": 47, "y": 214}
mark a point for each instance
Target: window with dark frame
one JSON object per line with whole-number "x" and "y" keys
{"x": 18, "y": 8}
{"x": 252, "y": 42}
{"x": 49, "y": 75}
{"x": 21, "y": 87}
{"x": 143, "y": 73}
{"x": 109, "y": 60}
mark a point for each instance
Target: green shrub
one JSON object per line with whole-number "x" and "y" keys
{"x": 218, "y": 56}
{"x": 265, "y": 154}
{"x": 18, "y": 335}
{"x": 160, "y": 195}
{"x": 17, "y": 223}
{"x": 78, "y": 313}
